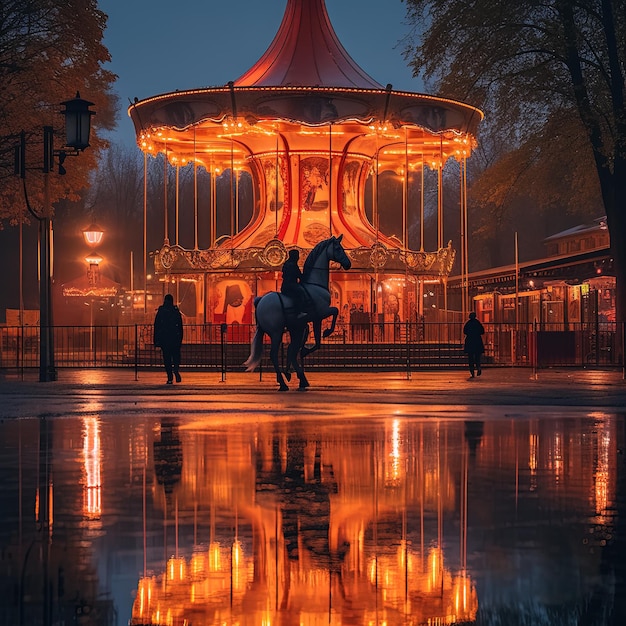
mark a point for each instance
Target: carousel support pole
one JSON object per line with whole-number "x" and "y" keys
{"x": 145, "y": 233}
{"x": 132, "y": 286}
{"x": 440, "y": 197}
{"x": 195, "y": 193}
{"x": 232, "y": 195}
{"x": 422, "y": 226}
{"x": 330, "y": 178}
{"x": 166, "y": 235}
{"x": 237, "y": 175}
{"x": 177, "y": 209}
{"x": 405, "y": 191}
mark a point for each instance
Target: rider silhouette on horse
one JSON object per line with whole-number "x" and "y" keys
{"x": 292, "y": 287}
{"x": 272, "y": 316}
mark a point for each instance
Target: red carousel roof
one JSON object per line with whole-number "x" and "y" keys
{"x": 304, "y": 116}
{"x": 304, "y": 77}
{"x": 306, "y": 51}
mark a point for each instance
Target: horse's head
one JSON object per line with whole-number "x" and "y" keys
{"x": 325, "y": 251}
{"x": 338, "y": 253}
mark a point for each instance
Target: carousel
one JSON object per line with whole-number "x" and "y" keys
{"x": 303, "y": 146}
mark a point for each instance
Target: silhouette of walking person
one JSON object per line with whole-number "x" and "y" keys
{"x": 168, "y": 335}
{"x": 474, "y": 346}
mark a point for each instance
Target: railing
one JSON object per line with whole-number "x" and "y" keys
{"x": 394, "y": 346}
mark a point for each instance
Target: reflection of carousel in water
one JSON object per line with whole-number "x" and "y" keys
{"x": 302, "y": 146}
{"x": 305, "y": 531}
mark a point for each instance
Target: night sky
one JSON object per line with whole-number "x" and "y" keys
{"x": 158, "y": 46}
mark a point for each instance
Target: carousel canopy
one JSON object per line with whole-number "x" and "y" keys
{"x": 312, "y": 131}
{"x": 305, "y": 78}
{"x": 306, "y": 52}
{"x": 84, "y": 288}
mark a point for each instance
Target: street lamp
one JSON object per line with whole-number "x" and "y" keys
{"x": 93, "y": 235}
{"x": 77, "y": 122}
{"x": 77, "y": 130}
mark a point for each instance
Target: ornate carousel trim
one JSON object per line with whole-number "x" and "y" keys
{"x": 377, "y": 257}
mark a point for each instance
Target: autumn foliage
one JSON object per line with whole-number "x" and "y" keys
{"x": 49, "y": 51}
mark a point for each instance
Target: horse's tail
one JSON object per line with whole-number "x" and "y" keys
{"x": 256, "y": 350}
{"x": 256, "y": 345}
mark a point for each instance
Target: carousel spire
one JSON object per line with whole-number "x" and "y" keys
{"x": 306, "y": 52}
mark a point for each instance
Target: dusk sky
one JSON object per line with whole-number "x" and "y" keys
{"x": 158, "y": 46}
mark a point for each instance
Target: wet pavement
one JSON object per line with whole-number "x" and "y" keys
{"x": 371, "y": 498}
{"x": 147, "y": 389}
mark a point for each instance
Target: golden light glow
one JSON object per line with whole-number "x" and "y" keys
{"x": 215, "y": 558}
{"x": 93, "y": 235}
{"x": 533, "y": 452}
{"x": 556, "y": 455}
{"x": 94, "y": 259}
{"x": 92, "y": 463}
{"x": 394, "y": 469}
{"x": 176, "y": 569}
{"x": 603, "y": 489}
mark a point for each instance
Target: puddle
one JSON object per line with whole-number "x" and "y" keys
{"x": 399, "y": 519}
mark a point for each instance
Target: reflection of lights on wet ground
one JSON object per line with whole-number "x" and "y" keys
{"x": 240, "y": 578}
{"x": 434, "y": 567}
{"x": 92, "y": 462}
{"x": 533, "y": 459}
{"x": 393, "y": 473}
{"x": 557, "y": 455}
{"x": 215, "y": 558}
{"x": 601, "y": 477}
{"x": 176, "y": 569}
{"x": 398, "y": 548}
{"x": 464, "y": 597}
{"x": 434, "y": 595}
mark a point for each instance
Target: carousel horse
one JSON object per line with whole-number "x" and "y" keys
{"x": 276, "y": 311}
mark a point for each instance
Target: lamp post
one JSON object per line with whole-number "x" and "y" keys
{"x": 93, "y": 235}
{"x": 77, "y": 129}
{"x": 93, "y": 279}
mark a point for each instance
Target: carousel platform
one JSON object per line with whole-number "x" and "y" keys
{"x": 331, "y": 356}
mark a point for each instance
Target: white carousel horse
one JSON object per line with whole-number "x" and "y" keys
{"x": 275, "y": 312}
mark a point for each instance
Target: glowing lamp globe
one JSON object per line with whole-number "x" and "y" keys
{"x": 93, "y": 235}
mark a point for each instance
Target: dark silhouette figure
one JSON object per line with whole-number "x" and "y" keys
{"x": 473, "y": 435}
{"x": 474, "y": 347}
{"x": 168, "y": 457}
{"x": 291, "y": 287}
{"x": 168, "y": 335}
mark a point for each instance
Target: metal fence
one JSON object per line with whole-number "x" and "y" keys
{"x": 392, "y": 346}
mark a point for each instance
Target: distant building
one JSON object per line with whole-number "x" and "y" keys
{"x": 574, "y": 283}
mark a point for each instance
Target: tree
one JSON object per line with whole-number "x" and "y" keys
{"x": 115, "y": 202}
{"x": 49, "y": 50}
{"x": 554, "y": 72}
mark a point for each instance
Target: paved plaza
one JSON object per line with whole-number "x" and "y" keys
{"x": 125, "y": 390}
{"x": 503, "y": 487}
